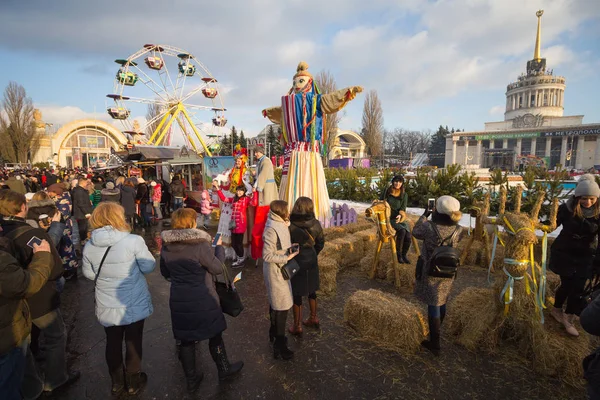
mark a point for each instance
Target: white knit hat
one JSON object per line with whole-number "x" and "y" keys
{"x": 587, "y": 186}
{"x": 447, "y": 205}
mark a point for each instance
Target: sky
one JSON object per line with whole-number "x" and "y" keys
{"x": 444, "y": 62}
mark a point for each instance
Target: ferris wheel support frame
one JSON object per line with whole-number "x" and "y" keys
{"x": 170, "y": 116}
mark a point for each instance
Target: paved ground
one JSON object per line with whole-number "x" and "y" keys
{"x": 330, "y": 364}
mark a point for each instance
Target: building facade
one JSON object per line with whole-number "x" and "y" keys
{"x": 81, "y": 143}
{"x": 534, "y": 130}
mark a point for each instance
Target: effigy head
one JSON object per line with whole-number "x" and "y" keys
{"x": 520, "y": 228}
{"x": 303, "y": 79}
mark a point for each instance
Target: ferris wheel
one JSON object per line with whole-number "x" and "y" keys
{"x": 182, "y": 93}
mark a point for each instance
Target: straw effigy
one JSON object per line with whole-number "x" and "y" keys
{"x": 387, "y": 321}
{"x": 485, "y": 318}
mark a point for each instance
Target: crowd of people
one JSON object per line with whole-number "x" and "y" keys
{"x": 52, "y": 224}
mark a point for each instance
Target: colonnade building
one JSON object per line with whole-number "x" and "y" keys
{"x": 534, "y": 130}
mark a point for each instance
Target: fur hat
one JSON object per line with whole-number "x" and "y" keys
{"x": 587, "y": 186}
{"x": 56, "y": 188}
{"x": 302, "y": 70}
{"x": 110, "y": 185}
{"x": 448, "y": 205}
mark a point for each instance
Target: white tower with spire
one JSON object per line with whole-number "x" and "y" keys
{"x": 538, "y": 93}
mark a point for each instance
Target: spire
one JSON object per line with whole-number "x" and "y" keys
{"x": 538, "y": 40}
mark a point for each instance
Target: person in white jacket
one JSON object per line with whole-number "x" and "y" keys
{"x": 123, "y": 300}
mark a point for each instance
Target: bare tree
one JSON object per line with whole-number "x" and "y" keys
{"x": 326, "y": 84}
{"x": 17, "y": 126}
{"x": 404, "y": 143}
{"x": 152, "y": 113}
{"x": 372, "y": 123}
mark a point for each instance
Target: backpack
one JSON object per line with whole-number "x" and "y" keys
{"x": 445, "y": 259}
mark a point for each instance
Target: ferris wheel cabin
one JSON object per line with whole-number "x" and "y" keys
{"x": 127, "y": 78}
{"x": 185, "y": 67}
{"x": 118, "y": 112}
{"x": 210, "y": 93}
{"x": 155, "y": 63}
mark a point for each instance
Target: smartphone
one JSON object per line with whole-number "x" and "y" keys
{"x": 34, "y": 240}
{"x": 216, "y": 239}
{"x": 430, "y": 204}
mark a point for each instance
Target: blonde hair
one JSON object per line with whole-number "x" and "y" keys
{"x": 40, "y": 196}
{"x": 184, "y": 218}
{"x": 109, "y": 214}
{"x": 120, "y": 180}
{"x": 455, "y": 216}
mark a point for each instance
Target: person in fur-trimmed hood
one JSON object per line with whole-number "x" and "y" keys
{"x": 110, "y": 193}
{"x": 572, "y": 253}
{"x": 189, "y": 262}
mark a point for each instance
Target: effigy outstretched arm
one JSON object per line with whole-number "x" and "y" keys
{"x": 335, "y": 101}
{"x": 273, "y": 113}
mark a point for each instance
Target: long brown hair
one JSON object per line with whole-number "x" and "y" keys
{"x": 577, "y": 212}
{"x": 280, "y": 207}
{"x": 304, "y": 205}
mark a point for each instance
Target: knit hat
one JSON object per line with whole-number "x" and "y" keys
{"x": 152, "y": 183}
{"x": 110, "y": 185}
{"x": 302, "y": 70}
{"x": 398, "y": 178}
{"x": 587, "y": 186}
{"x": 447, "y": 205}
{"x": 56, "y": 188}
{"x": 141, "y": 180}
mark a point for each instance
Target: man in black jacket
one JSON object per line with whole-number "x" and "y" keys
{"x": 44, "y": 305}
{"x": 82, "y": 206}
{"x": 17, "y": 284}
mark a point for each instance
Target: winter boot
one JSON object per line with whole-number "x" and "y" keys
{"x": 558, "y": 314}
{"x": 433, "y": 344}
{"x": 118, "y": 381}
{"x": 219, "y": 356}
{"x": 296, "y": 329}
{"x": 404, "y": 252}
{"x": 313, "y": 321}
{"x": 280, "y": 349}
{"x": 187, "y": 356}
{"x": 399, "y": 248}
{"x": 136, "y": 382}
{"x": 273, "y": 327}
{"x": 568, "y": 324}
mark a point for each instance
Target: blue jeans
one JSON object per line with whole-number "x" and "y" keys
{"x": 54, "y": 368}
{"x": 436, "y": 311}
{"x": 12, "y": 370}
{"x": 177, "y": 203}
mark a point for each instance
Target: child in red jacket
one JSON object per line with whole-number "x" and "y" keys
{"x": 238, "y": 224}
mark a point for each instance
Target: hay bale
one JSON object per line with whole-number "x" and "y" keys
{"x": 407, "y": 275}
{"x": 351, "y": 250}
{"x": 332, "y": 250}
{"x": 473, "y": 313}
{"x": 386, "y": 320}
{"x": 333, "y": 232}
{"x": 558, "y": 355}
{"x": 367, "y": 263}
{"x": 552, "y": 283}
{"x": 475, "y": 255}
{"x": 370, "y": 240}
{"x": 328, "y": 269}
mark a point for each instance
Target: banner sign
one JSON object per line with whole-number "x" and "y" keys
{"x": 527, "y": 135}
{"x": 520, "y": 135}
{"x": 574, "y": 132}
{"x": 214, "y": 166}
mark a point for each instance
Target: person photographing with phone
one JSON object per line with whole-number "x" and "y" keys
{"x": 395, "y": 195}
{"x": 277, "y": 251}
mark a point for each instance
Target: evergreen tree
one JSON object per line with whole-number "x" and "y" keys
{"x": 278, "y": 148}
{"x": 226, "y": 145}
{"x": 243, "y": 141}
{"x": 234, "y": 136}
{"x": 437, "y": 148}
{"x": 271, "y": 140}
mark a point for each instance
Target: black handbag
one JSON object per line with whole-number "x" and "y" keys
{"x": 230, "y": 300}
{"x": 100, "y": 269}
{"x": 290, "y": 268}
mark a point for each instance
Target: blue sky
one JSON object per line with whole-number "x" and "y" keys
{"x": 432, "y": 62}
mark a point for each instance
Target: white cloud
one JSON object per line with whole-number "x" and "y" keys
{"x": 60, "y": 115}
{"x": 290, "y": 53}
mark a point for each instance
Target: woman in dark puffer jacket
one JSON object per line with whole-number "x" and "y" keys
{"x": 305, "y": 230}
{"x": 189, "y": 262}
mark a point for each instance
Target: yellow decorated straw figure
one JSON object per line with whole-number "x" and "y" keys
{"x": 302, "y": 117}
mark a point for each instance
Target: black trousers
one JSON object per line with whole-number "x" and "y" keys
{"x": 212, "y": 342}
{"x": 82, "y": 225}
{"x": 402, "y": 241}
{"x": 237, "y": 242}
{"x": 570, "y": 290}
{"x": 133, "y": 334}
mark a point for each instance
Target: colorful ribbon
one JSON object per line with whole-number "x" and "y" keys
{"x": 506, "y": 295}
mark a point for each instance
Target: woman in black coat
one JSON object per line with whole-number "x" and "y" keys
{"x": 305, "y": 230}
{"x": 189, "y": 262}
{"x": 128, "y": 194}
{"x": 572, "y": 253}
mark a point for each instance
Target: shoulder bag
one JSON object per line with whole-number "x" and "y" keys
{"x": 231, "y": 303}
{"x": 100, "y": 269}
{"x": 289, "y": 269}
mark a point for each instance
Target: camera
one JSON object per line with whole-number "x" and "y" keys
{"x": 430, "y": 204}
